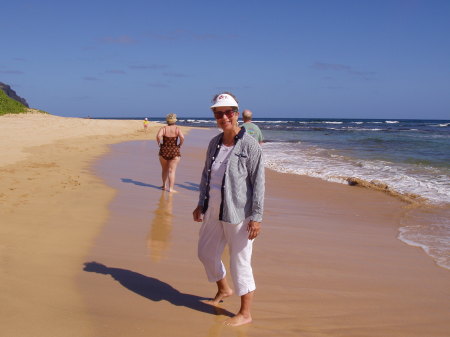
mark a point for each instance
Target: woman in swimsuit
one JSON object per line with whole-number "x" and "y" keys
{"x": 169, "y": 151}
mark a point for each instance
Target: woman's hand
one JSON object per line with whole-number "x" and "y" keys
{"x": 197, "y": 214}
{"x": 253, "y": 229}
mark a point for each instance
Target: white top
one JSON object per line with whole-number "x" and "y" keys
{"x": 217, "y": 172}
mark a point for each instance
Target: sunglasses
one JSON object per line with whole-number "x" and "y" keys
{"x": 219, "y": 114}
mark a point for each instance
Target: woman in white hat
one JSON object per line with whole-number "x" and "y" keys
{"x": 230, "y": 206}
{"x": 169, "y": 151}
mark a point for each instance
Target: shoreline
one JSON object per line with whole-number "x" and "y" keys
{"x": 55, "y": 207}
{"x": 339, "y": 264}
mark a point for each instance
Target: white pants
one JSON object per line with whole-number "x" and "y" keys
{"x": 214, "y": 235}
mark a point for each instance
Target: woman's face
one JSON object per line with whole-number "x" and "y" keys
{"x": 225, "y": 117}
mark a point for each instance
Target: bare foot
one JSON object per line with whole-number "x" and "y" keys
{"x": 219, "y": 297}
{"x": 172, "y": 191}
{"x": 238, "y": 320}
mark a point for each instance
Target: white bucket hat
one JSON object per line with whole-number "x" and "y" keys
{"x": 224, "y": 100}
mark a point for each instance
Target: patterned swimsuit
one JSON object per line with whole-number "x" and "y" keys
{"x": 169, "y": 149}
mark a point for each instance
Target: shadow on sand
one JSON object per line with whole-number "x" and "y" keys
{"x": 189, "y": 186}
{"x": 154, "y": 289}
{"x": 139, "y": 183}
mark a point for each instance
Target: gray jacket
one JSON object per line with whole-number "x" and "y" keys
{"x": 243, "y": 182}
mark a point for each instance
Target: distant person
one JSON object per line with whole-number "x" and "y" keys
{"x": 169, "y": 151}
{"x": 251, "y": 128}
{"x": 146, "y": 123}
{"x": 230, "y": 206}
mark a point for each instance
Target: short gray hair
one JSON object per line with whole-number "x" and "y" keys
{"x": 247, "y": 114}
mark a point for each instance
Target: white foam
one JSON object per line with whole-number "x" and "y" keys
{"x": 434, "y": 239}
{"x": 271, "y": 122}
{"x": 426, "y": 182}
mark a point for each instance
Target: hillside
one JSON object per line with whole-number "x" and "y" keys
{"x": 9, "y": 105}
{"x": 12, "y": 94}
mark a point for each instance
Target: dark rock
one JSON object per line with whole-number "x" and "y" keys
{"x": 12, "y": 94}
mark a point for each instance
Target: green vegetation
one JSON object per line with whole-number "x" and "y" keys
{"x": 10, "y": 106}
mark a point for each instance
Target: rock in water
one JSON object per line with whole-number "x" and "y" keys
{"x": 12, "y": 94}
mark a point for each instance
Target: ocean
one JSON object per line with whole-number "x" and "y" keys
{"x": 411, "y": 158}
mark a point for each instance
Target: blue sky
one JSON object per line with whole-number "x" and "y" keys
{"x": 343, "y": 59}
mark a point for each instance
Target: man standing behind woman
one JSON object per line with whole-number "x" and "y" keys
{"x": 169, "y": 151}
{"x": 251, "y": 128}
{"x": 230, "y": 206}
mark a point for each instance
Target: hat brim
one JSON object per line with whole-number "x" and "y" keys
{"x": 217, "y": 105}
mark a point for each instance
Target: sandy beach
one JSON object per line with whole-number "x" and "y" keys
{"x": 89, "y": 245}
{"x": 51, "y": 208}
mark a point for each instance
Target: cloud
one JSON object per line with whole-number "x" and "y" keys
{"x": 150, "y": 66}
{"x": 330, "y": 66}
{"x": 88, "y": 48}
{"x": 158, "y": 85}
{"x": 232, "y": 88}
{"x": 180, "y": 34}
{"x": 90, "y": 78}
{"x": 172, "y": 74}
{"x": 122, "y": 39}
{"x": 81, "y": 98}
{"x": 174, "y": 35}
{"x": 365, "y": 75}
{"x": 115, "y": 71}
{"x": 214, "y": 36}
{"x": 11, "y": 72}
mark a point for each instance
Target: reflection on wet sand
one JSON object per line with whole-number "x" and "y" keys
{"x": 158, "y": 239}
{"x": 219, "y": 329}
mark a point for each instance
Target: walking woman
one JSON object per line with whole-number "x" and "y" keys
{"x": 169, "y": 151}
{"x": 230, "y": 206}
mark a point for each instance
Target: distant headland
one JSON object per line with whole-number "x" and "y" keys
{"x": 12, "y": 94}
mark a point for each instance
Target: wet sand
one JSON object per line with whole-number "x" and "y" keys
{"x": 327, "y": 262}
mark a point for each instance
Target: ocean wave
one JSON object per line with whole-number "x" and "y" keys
{"x": 414, "y": 237}
{"x": 429, "y": 229}
{"x": 392, "y": 122}
{"x": 271, "y": 122}
{"x": 197, "y": 121}
{"x": 353, "y": 128}
{"x": 409, "y": 180}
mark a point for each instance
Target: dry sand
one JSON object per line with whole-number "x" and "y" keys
{"x": 79, "y": 259}
{"x": 51, "y": 207}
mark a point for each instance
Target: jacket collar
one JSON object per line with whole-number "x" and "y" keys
{"x": 236, "y": 138}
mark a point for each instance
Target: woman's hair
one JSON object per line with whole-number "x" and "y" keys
{"x": 235, "y": 109}
{"x": 171, "y": 119}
